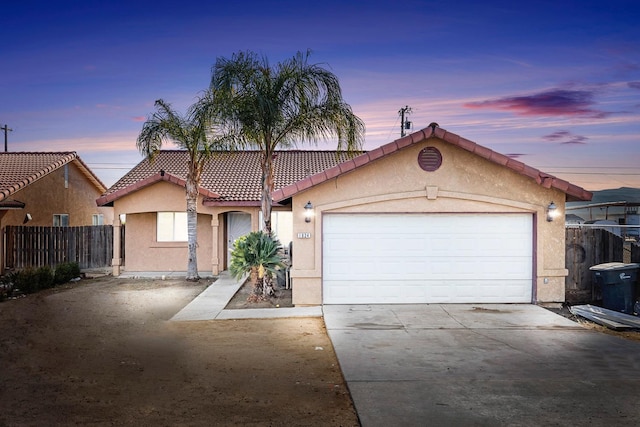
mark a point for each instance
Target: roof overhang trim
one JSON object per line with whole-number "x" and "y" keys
{"x": 11, "y": 205}
{"x": 573, "y": 192}
{"x": 239, "y": 203}
{"x": 108, "y": 199}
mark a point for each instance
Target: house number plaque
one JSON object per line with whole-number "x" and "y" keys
{"x": 304, "y": 235}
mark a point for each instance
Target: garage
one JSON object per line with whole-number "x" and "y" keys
{"x": 427, "y": 258}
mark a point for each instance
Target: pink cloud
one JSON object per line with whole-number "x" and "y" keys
{"x": 565, "y": 137}
{"x": 139, "y": 118}
{"x": 557, "y": 102}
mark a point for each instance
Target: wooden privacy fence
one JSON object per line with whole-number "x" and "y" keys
{"x": 586, "y": 247}
{"x": 89, "y": 246}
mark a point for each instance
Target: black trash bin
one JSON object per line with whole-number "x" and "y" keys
{"x": 618, "y": 283}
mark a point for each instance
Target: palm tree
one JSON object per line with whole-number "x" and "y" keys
{"x": 257, "y": 253}
{"x": 190, "y": 133}
{"x": 278, "y": 107}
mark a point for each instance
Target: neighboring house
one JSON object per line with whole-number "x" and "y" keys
{"x": 49, "y": 189}
{"x": 429, "y": 218}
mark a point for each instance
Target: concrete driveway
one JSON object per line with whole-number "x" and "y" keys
{"x": 477, "y": 365}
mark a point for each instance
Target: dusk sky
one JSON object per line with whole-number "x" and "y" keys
{"x": 555, "y": 84}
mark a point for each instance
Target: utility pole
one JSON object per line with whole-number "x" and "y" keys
{"x": 404, "y": 124}
{"x": 6, "y": 130}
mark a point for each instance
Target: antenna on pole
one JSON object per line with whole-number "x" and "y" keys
{"x": 404, "y": 124}
{"x": 6, "y": 130}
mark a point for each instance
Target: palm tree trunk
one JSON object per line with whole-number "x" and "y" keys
{"x": 267, "y": 189}
{"x": 192, "y": 224}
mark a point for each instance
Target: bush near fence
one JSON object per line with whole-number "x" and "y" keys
{"x": 30, "y": 279}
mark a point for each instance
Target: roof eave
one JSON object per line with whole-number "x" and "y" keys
{"x": 108, "y": 199}
{"x": 573, "y": 192}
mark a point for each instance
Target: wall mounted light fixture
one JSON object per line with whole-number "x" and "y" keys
{"x": 552, "y": 211}
{"x": 308, "y": 212}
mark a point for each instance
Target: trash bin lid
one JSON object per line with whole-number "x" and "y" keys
{"x": 614, "y": 266}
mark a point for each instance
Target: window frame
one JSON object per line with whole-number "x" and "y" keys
{"x": 168, "y": 229}
{"x": 97, "y": 219}
{"x": 62, "y": 220}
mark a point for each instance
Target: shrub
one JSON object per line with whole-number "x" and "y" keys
{"x": 26, "y": 280}
{"x": 30, "y": 280}
{"x": 65, "y": 272}
{"x": 256, "y": 253}
{"x": 44, "y": 277}
{"x": 6, "y": 286}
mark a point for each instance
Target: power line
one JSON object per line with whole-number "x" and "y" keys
{"x": 104, "y": 167}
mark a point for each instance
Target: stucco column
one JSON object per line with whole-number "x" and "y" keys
{"x": 215, "y": 259}
{"x": 116, "y": 262}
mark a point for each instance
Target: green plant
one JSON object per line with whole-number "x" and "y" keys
{"x": 192, "y": 133}
{"x": 25, "y": 280}
{"x": 30, "y": 280}
{"x": 43, "y": 277}
{"x": 257, "y": 254}
{"x": 267, "y": 106}
{"x": 65, "y": 272}
{"x": 6, "y": 286}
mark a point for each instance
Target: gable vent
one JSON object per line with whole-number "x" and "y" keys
{"x": 430, "y": 159}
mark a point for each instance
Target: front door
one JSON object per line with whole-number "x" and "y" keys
{"x": 238, "y": 224}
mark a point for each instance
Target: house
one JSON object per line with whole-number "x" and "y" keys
{"x": 49, "y": 189}
{"x": 428, "y": 218}
{"x": 152, "y": 199}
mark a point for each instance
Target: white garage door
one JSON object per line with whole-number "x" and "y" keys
{"x": 427, "y": 258}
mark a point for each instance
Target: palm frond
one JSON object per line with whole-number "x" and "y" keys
{"x": 270, "y": 107}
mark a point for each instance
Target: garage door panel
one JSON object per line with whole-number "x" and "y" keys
{"x": 427, "y": 292}
{"x": 441, "y": 268}
{"x": 444, "y": 268}
{"x": 427, "y": 258}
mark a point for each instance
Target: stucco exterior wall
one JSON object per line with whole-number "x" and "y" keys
{"x": 143, "y": 253}
{"x": 465, "y": 183}
{"x": 49, "y": 195}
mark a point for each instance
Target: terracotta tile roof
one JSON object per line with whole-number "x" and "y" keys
{"x": 573, "y": 192}
{"x": 228, "y": 177}
{"x": 19, "y": 169}
{"x": 234, "y": 177}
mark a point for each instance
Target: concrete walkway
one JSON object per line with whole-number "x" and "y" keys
{"x": 210, "y": 305}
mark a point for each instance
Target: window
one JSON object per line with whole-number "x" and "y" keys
{"x": 172, "y": 227}
{"x": 60, "y": 220}
{"x": 98, "y": 219}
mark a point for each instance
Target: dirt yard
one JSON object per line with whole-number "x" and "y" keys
{"x": 101, "y": 352}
